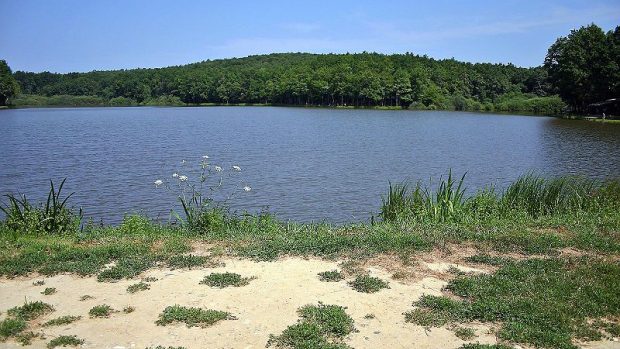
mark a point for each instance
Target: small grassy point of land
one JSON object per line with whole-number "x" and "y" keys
{"x": 368, "y": 284}
{"x": 30, "y": 310}
{"x": 64, "y": 341}
{"x": 49, "y": 291}
{"x": 63, "y": 320}
{"x": 221, "y": 280}
{"x": 100, "y": 311}
{"x": 331, "y": 276}
{"x": 140, "y": 286}
{"x": 320, "y": 326}
{"x": 192, "y": 317}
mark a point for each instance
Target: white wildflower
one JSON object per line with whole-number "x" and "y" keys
{"x": 175, "y": 175}
{"x": 205, "y": 157}
{"x": 247, "y": 188}
{"x": 236, "y": 168}
{"x": 158, "y": 182}
{"x": 218, "y": 169}
{"x": 182, "y": 162}
{"x": 183, "y": 178}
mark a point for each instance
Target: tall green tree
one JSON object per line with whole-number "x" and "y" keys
{"x": 582, "y": 66}
{"x": 8, "y": 86}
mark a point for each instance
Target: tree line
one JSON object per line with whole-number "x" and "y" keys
{"x": 351, "y": 80}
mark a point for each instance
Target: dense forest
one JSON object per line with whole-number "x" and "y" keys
{"x": 352, "y": 80}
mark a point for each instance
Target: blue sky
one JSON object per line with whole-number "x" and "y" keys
{"x": 69, "y": 35}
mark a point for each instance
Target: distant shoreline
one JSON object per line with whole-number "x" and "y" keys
{"x": 387, "y": 108}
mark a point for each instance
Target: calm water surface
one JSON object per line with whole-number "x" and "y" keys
{"x": 302, "y": 164}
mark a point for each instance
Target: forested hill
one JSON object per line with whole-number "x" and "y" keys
{"x": 364, "y": 79}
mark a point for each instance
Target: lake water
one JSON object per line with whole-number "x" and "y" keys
{"x": 302, "y": 164}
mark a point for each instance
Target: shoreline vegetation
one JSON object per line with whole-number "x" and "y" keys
{"x": 518, "y": 105}
{"x": 551, "y": 247}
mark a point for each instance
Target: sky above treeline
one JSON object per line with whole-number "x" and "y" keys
{"x": 77, "y": 35}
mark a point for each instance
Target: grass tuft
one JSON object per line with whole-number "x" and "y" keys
{"x": 63, "y": 320}
{"x": 186, "y": 261}
{"x": 64, "y": 341}
{"x": 30, "y": 310}
{"x": 222, "y": 280}
{"x": 140, "y": 286}
{"x": 100, "y": 311}
{"x": 192, "y": 317}
{"x": 368, "y": 284}
{"x": 331, "y": 276}
{"x": 11, "y": 327}
{"x": 320, "y": 326}
{"x": 129, "y": 309}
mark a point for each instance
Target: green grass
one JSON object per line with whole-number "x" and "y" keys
{"x": 192, "y": 317}
{"x": 187, "y": 261}
{"x": 484, "y": 346}
{"x": 542, "y": 302}
{"x": 49, "y": 291}
{"x": 331, "y": 276}
{"x": 465, "y": 333}
{"x": 368, "y": 284}
{"x": 321, "y": 326}
{"x": 64, "y": 341}
{"x": 30, "y": 310}
{"x": 222, "y": 280}
{"x": 140, "y": 286}
{"x": 100, "y": 311}
{"x": 25, "y": 338}
{"x": 11, "y": 327}
{"x": 63, "y": 320}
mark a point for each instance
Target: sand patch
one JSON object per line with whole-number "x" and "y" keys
{"x": 267, "y": 305}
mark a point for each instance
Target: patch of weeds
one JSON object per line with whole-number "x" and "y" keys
{"x": 369, "y": 316}
{"x": 126, "y": 268}
{"x": 488, "y": 259}
{"x": 162, "y": 347}
{"x": 30, "y": 310}
{"x": 192, "y": 316}
{"x": 49, "y": 291}
{"x": 352, "y": 267}
{"x": 368, "y": 284}
{"x": 63, "y": 320}
{"x": 140, "y": 286}
{"x": 11, "y": 327}
{"x": 464, "y": 333}
{"x": 26, "y": 338}
{"x": 331, "y": 276}
{"x": 484, "y": 346}
{"x": 39, "y": 283}
{"x": 186, "y": 261}
{"x": 100, "y": 311}
{"x": 64, "y": 341}
{"x": 322, "y": 326}
{"x": 222, "y": 280}
{"x": 541, "y": 302}
{"x": 149, "y": 279}
{"x": 86, "y": 297}
{"x": 129, "y": 309}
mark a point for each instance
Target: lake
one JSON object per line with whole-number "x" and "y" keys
{"x": 302, "y": 164}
